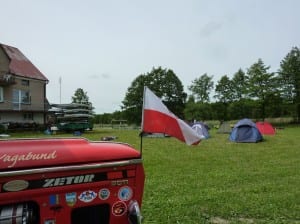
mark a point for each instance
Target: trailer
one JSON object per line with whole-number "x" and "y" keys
{"x": 75, "y": 126}
{"x": 71, "y": 117}
{"x": 70, "y": 181}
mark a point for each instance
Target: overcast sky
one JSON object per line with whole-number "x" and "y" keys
{"x": 102, "y": 46}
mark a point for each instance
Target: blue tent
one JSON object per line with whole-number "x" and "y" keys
{"x": 201, "y": 129}
{"x": 245, "y": 131}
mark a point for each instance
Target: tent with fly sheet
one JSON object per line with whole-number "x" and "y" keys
{"x": 245, "y": 131}
{"x": 201, "y": 129}
{"x": 265, "y": 128}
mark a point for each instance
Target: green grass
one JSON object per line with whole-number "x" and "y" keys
{"x": 217, "y": 181}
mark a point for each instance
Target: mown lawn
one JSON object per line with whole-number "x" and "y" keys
{"x": 217, "y": 181}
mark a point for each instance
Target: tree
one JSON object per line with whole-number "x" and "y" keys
{"x": 289, "y": 75}
{"x": 81, "y": 97}
{"x": 224, "y": 90}
{"x": 103, "y": 118}
{"x": 133, "y": 101}
{"x": 164, "y": 83}
{"x": 201, "y": 88}
{"x": 243, "y": 108}
{"x": 198, "y": 111}
{"x": 262, "y": 85}
{"x": 224, "y": 93}
{"x": 239, "y": 85}
{"x": 239, "y": 108}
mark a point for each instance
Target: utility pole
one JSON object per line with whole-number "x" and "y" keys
{"x": 59, "y": 89}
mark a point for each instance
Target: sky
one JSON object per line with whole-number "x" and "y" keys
{"x": 102, "y": 46}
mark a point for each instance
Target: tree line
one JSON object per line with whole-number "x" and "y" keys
{"x": 255, "y": 92}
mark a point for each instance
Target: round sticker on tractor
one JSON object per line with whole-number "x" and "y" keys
{"x": 87, "y": 196}
{"x": 119, "y": 208}
{"x": 104, "y": 194}
{"x": 125, "y": 193}
{"x": 16, "y": 185}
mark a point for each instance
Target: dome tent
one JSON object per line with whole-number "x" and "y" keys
{"x": 201, "y": 129}
{"x": 265, "y": 128}
{"x": 224, "y": 128}
{"x": 245, "y": 131}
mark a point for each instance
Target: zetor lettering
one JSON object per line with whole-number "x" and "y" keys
{"x": 61, "y": 181}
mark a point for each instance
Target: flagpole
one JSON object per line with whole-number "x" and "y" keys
{"x": 143, "y": 108}
{"x": 141, "y": 144}
{"x": 142, "y": 124}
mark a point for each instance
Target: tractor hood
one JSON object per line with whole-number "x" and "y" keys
{"x": 21, "y": 154}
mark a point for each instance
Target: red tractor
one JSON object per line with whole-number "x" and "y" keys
{"x": 69, "y": 181}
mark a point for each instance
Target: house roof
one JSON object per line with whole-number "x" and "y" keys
{"x": 20, "y": 65}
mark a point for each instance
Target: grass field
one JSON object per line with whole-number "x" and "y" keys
{"x": 217, "y": 181}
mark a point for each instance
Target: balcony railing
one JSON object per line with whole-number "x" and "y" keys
{"x": 7, "y": 79}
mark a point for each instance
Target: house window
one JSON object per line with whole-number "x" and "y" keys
{"x": 21, "y": 96}
{"x": 1, "y": 94}
{"x": 28, "y": 116}
{"x": 25, "y": 82}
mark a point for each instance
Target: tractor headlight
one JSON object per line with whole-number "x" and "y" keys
{"x": 134, "y": 213}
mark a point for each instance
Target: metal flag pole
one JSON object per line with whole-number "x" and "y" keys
{"x": 142, "y": 124}
{"x": 141, "y": 144}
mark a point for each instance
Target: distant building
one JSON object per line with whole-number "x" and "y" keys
{"x": 22, "y": 88}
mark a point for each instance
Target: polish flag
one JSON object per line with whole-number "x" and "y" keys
{"x": 158, "y": 119}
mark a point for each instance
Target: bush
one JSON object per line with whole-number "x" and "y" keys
{"x": 3, "y": 128}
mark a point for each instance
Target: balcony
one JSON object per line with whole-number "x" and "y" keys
{"x": 7, "y": 79}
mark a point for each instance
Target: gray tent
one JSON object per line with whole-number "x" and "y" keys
{"x": 224, "y": 128}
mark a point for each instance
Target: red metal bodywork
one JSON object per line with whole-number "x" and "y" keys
{"x": 61, "y": 176}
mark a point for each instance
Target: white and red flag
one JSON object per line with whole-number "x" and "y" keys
{"x": 158, "y": 119}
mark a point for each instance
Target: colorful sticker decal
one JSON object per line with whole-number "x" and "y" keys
{"x": 104, "y": 194}
{"x": 125, "y": 193}
{"x": 87, "y": 196}
{"x": 119, "y": 208}
{"x": 71, "y": 199}
{"x": 53, "y": 199}
{"x": 50, "y": 221}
